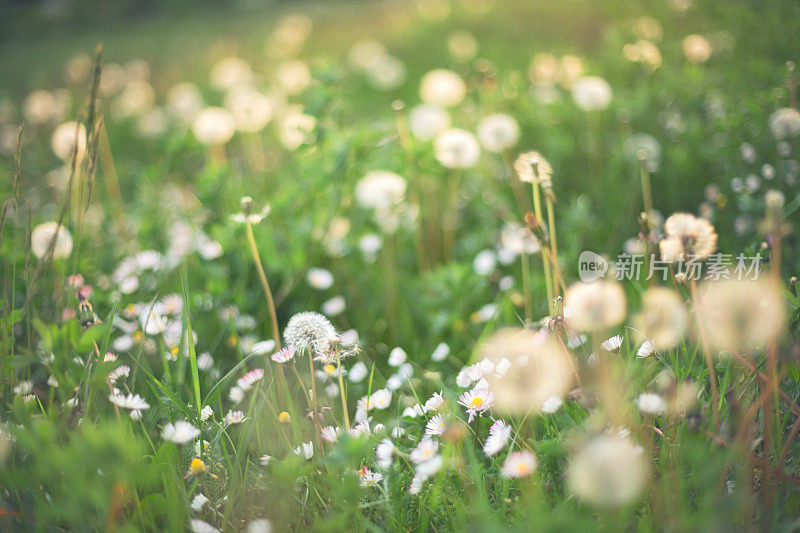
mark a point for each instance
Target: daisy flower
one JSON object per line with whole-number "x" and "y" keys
{"x": 613, "y": 344}
{"x": 519, "y": 465}
{"x": 234, "y": 417}
{"x": 306, "y": 450}
{"x": 368, "y": 477}
{"x": 283, "y": 355}
{"x": 499, "y": 435}
{"x": 330, "y": 433}
{"x": 436, "y": 426}
{"x": 425, "y": 450}
{"x": 476, "y": 401}
{"x": 180, "y": 433}
{"x": 250, "y": 379}
{"x": 131, "y": 401}
{"x": 384, "y": 452}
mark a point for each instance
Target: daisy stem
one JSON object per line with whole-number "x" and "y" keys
{"x": 537, "y": 207}
{"x": 342, "y": 392}
{"x": 273, "y": 316}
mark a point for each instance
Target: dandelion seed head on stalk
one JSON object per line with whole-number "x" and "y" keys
{"x": 608, "y": 471}
{"x": 442, "y": 87}
{"x": 498, "y": 132}
{"x": 661, "y": 321}
{"x": 380, "y": 189}
{"x": 213, "y": 126}
{"x": 184, "y": 100}
{"x": 540, "y": 368}
{"x": 741, "y": 314}
{"x": 312, "y": 331}
{"x": 784, "y": 123}
{"x": 697, "y": 48}
{"x": 594, "y": 306}
{"x": 68, "y": 137}
{"x": 251, "y": 110}
{"x": 591, "y": 93}
{"x": 44, "y": 233}
{"x": 427, "y": 121}
{"x": 687, "y": 237}
{"x": 231, "y": 72}
{"x": 456, "y": 148}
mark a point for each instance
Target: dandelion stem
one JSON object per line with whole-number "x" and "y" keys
{"x": 537, "y": 207}
{"x": 526, "y": 289}
{"x": 342, "y": 392}
{"x": 712, "y": 376}
{"x": 273, "y": 316}
{"x": 551, "y": 226}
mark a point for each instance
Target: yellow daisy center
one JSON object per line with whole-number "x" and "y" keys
{"x": 476, "y": 402}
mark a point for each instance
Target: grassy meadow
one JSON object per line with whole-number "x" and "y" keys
{"x": 433, "y": 265}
